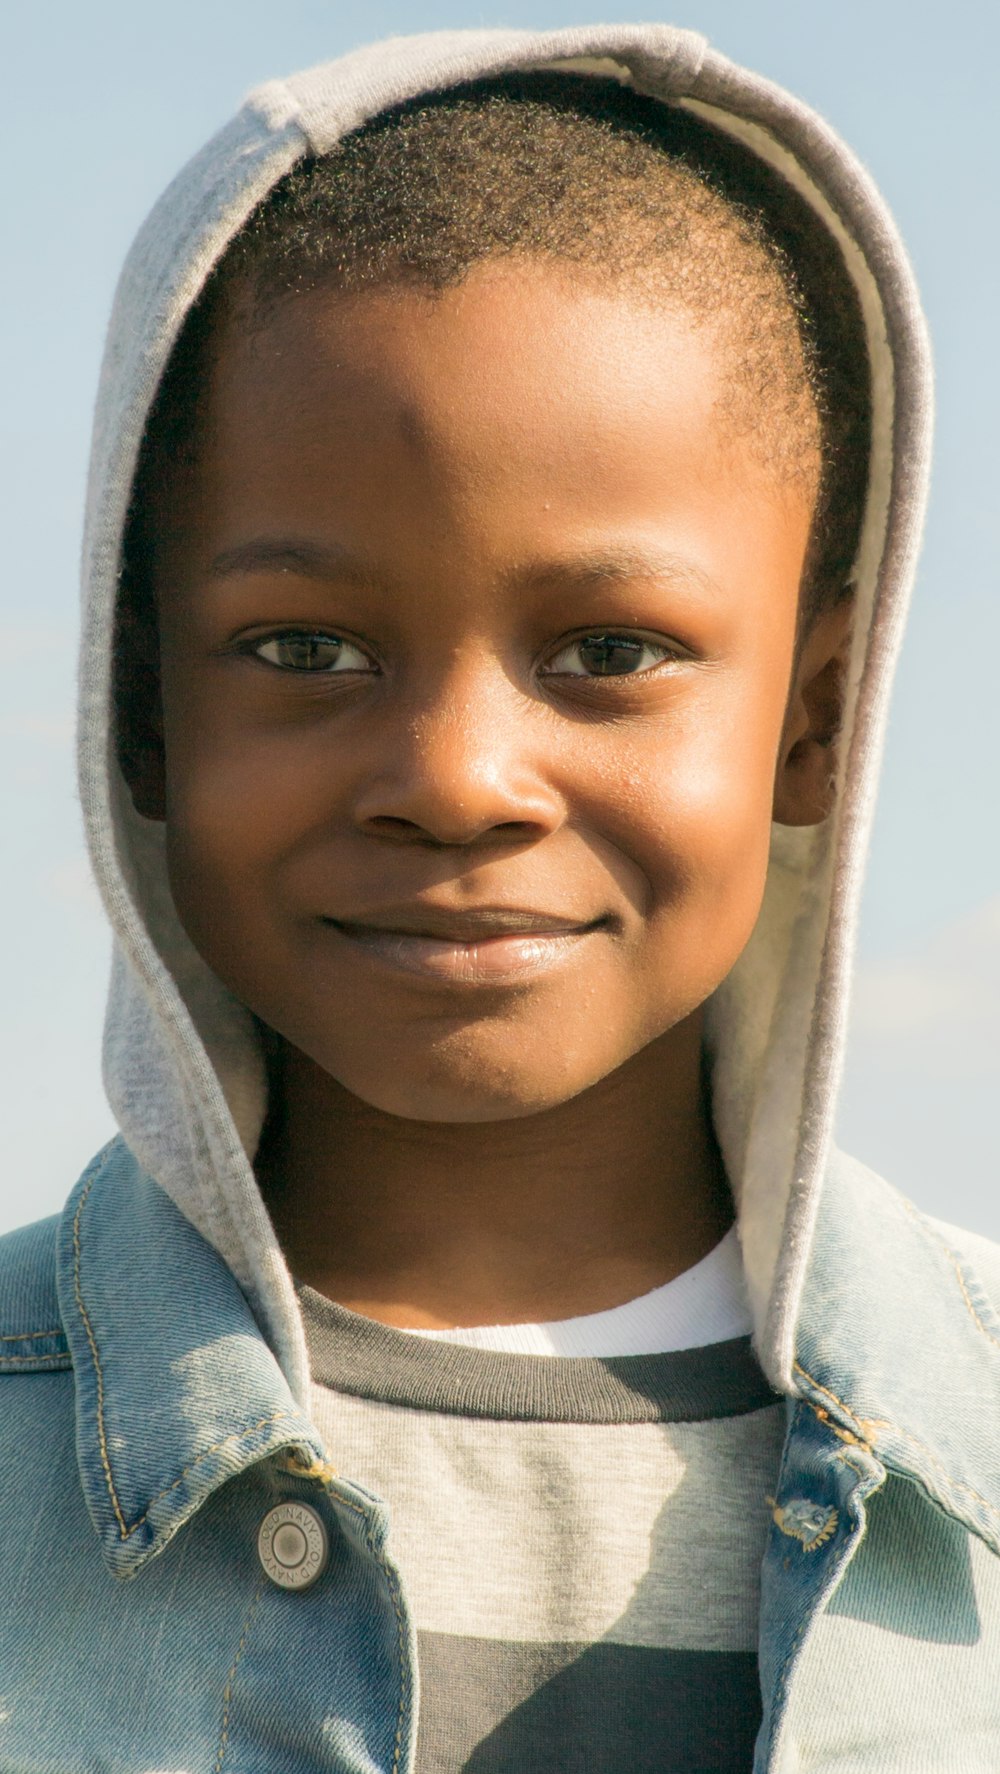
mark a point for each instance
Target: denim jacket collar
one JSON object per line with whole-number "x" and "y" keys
{"x": 898, "y": 1344}
{"x": 898, "y": 1350}
{"x": 176, "y": 1389}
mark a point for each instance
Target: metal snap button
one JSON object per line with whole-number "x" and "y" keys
{"x": 293, "y": 1545}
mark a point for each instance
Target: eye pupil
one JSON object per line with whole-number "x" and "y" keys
{"x": 307, "y": 652}
{"x": 608, "y": 655}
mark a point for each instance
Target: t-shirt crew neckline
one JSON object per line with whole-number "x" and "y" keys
{"x": 364, "y": 1358}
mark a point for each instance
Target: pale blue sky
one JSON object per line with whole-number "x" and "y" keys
{"x": 102, "y": 103}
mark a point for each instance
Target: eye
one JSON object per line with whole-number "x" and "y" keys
{"x": 301, "y": 651}
{"x": 605, "y": 654}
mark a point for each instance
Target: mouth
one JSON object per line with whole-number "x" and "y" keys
{"x": 482, "y": 946}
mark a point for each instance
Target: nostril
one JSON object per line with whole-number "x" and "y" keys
{"x": 409, "y": 831}
{"x": 393, "y": 827}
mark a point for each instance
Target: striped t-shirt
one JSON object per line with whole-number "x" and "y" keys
{"x": 580, "y": 1541}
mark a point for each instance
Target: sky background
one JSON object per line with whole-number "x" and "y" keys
{"x": 102, "y": 103}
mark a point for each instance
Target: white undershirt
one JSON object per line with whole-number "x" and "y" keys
{"x": 707, "y": 1304}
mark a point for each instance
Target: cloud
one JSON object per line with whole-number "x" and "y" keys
{"x": 942, "y": 998}
{"x": 919, "y": 1102}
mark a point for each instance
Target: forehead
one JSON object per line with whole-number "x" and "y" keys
{"x": 525, "y": 369}
{"x": 525, "y": 344}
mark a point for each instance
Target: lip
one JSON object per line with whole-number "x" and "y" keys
{"x": 485, "y": 946}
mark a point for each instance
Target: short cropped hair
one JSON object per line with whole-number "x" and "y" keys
{"x": 584, "y": 172}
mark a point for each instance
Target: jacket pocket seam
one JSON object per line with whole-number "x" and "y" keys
{"x": 57, "y": 1362}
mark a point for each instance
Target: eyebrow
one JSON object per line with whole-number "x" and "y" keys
{"x": 310, "y": 560}
{"x": 620, "y": 563}
{"x": 281, "y": 554}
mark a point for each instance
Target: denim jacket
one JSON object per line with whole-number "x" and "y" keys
{"x": 146, "y": 1429}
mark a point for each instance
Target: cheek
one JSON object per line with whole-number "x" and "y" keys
{"x": 242, "y": 785}
{"x": 695, "y": 816}
{"x": 237, "y": 800}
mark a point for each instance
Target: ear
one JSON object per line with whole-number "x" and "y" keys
{"x": 139, "y": 713}
{"x": 804, "y": 780}
{"x": 147, "y": 781}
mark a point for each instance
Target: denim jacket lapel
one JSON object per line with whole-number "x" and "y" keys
{"x": 176, "y": 1389}
{"x": 898, "y": 1343}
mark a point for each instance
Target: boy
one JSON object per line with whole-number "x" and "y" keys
{"x": 505, "y": 491}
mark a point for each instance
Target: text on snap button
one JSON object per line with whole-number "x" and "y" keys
{"x": 293, "y": 1545}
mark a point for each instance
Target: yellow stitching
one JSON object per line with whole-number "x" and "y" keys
{"x": 30, "y": 1336}
{"x": 125, "y": 1532}
{"x": 237, "y": 1435}
{"x": 955, "y": 1483}
{"x": 105, "y": 1460}
{"x": 884, "y": 1423}
{"x": 862, "y": 1424}
{"x": 781, "y": 1513}
{"x": 346, "y": 1503}
{"x": 845, "y": 1460}
{"x": 825, "y": 1390}
{"x": 929, "y": 1232}
{"x": 973, "y": 1314}
{"x": 824, "y": 1416}
{"x": 404, "y": 1669}
{"x": 60, "y": 1355}
{"x": 318, "y": 1469}
{"x": 227, "y": 1697}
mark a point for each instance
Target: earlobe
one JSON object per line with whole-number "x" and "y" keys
{"x": 146, "y": 777}
{"x": 141, "y": 753}
{"x": 139, "y": 706}
{"x": 805, "y": 779}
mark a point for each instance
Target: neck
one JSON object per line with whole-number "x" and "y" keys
{"x": 551, "y": 1215}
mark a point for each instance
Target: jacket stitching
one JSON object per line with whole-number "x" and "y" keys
{"x": 960, "y": 1278}
{"x": 861, "y": 1424}
{"x": 404, "y": 1676}
{"x": 970, "y": 1308}
{"x": 845, "y": 1460}
{"x": 345, "y": 1503}
{"x": 29, "y": 1336}
{"x": 61, "y": 1356}
{"x": 227, "y": 1697}
{"x": 125, "y": 1532}
{"x": 227, "y": 1440}
{"x": 393, "y": 1588}
{"x": 404, "y": 1685}
{"x": 956, "y": 1484}
{"x": 102, "y": 1440}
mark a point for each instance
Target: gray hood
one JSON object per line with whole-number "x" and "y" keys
{"x": 183, "y": 1067}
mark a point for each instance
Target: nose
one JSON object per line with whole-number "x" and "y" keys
{"x": 463, "y": 764}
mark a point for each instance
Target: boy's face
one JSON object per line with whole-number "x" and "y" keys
{"x": 410, "y": 822}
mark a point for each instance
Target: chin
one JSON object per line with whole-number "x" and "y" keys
{"x": 457, "y": 1082}
{"x": 454, "y": 1101}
